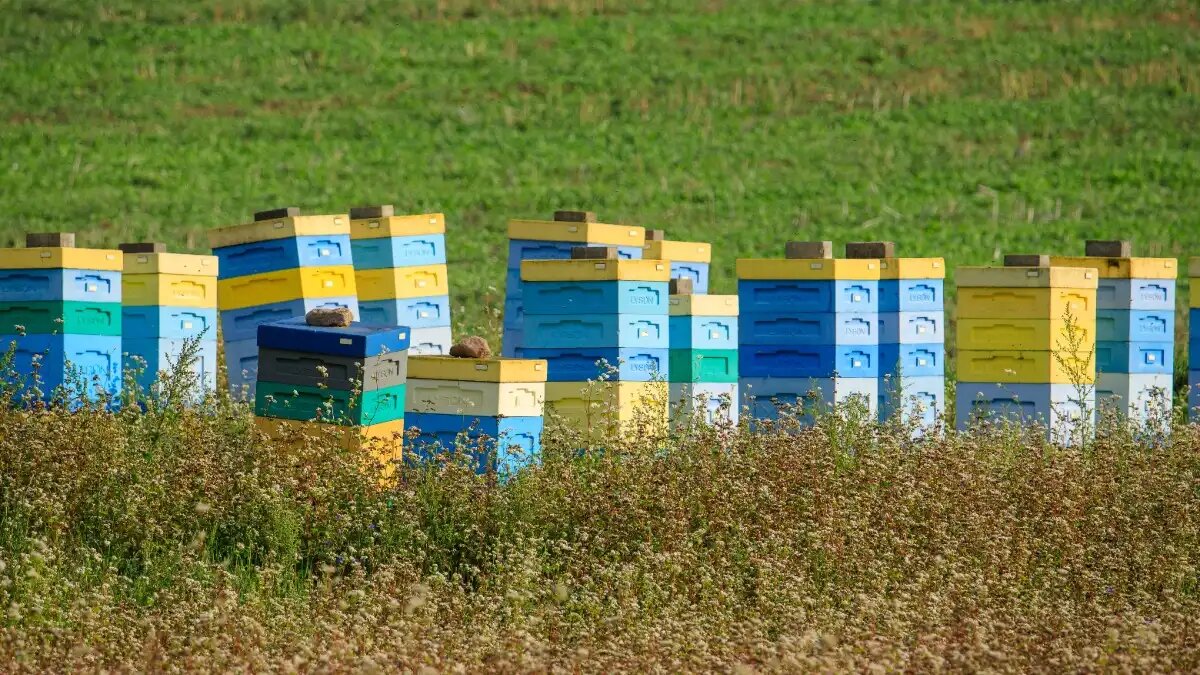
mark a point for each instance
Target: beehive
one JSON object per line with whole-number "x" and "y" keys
{"x": 353, "y": 377}
{"x": 168, "y": 299}
{"x": 1025, "y": 346}
{"x": 1135, "y": 330}
{"x": 401, "y": 274}
{"x": 280, "y": 266}
{"x": 704, "y": 355}
{"x": 808, "y": 331}
{"x": 493, "y": 408}
{"x": 1194, "y": 339}
{"x": 689, "y": 259}
{"x": 61, "y": 307}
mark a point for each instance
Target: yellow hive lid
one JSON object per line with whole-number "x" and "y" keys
{"x": 1122, "y": 268}
{"x": 818, "y": 269}
{"x": 55, "y": 257}
{"x": 170, "y": 263}
{"x": 581, "y": 233}
{"x": 1027, "y": 277}
{"x": 476, "y": 370}
{"x": 912, "y": 268}
{"x": 398, "y": 226}
{"x": 681, "y": 251}
{"x": 279, "y": 228}
{"x": 595, "y": 270}
{"x": 703, "y": 305}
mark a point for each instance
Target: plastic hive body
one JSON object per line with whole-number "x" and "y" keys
{"x": 689, "y": 260}
{"x": 1194, "y": 340}
{"x": 604, "y": 321}
{"x": 170, "y": 299}
{"x": 912, "y": 336}
{"x": 61, "y": 306}
{"x": 379, "y": 444}
{"x": 493, "y": 408}
{"x": 277, "y": 269}
{"x": 554, "y": 240}
{"x": 350, "y": 382}
{"x": 1135, "y": 327}
{"x": 1027, "y": 348}
{"x": 402, "y": 276}
{"x": 704, "y": 336}
{"x": 809, "y": 333}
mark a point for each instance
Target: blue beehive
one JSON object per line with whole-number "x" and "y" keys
{"x": 62, "y": 313}
{"x": 809, "y": 331}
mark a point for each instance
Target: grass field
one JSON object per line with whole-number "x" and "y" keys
{"x": 179, "y": 540}
{"x": 958, "y": 129}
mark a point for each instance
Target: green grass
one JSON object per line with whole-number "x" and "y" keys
{"x": 958, "y": 129}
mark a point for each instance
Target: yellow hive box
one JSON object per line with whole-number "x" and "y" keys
{"x": 398, "y": 226}
{"x": 1025, "y": 367}
{"x": 702, "y": 305}
{"x": 176, "y": 290}
{"x": 813, "y": 269}
{"x": 607, "y": 406}
{"x": 1027, "y": 303}
{"x": 170, "y": 263}
{"x": 1027, "y": 277}
{"x": 595, "y": 270}
{"x": 402, "y": 282}
{"x": 912, "y": 268}
{"x": 481, "y": 399}
{"x": 1036, "y": 334}
{"x": 279, "y": 228}
{"x": 476, "y": 370}
{"x": 1122, "y": 268}
{"x": 1194, "y": 295}
{"x": 54, "y": 257}
{"x": 680, "y": 251}
{"x": 582, "y": 233}
{"x": 286, "y": 285}
{"x": 382, "y": 442}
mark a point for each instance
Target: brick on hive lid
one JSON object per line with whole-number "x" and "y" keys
{"x": 1108, "y": 248}
{"x": 871, "y": 249}
{"x": 143, "y": 247}
{"x": 1026, "y": 260}
{"x": 807, "y": 250}
{"x": 471, "y": 347}
{"x": 575, "y": 216}
{"x": 272, "y": 214}
{"x": 379, "y": 211}
{"x": 682, "y": 286}
{"x": 329, "y": 317}
{"x": 594, "y": 253}
{"x": 656, "y": 235}
{"x": 50, "y": 240}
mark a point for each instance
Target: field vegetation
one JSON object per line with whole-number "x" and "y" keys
{"x": 176, "y": 538}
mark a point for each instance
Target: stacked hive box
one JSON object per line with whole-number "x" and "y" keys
{"x": 401, "y": 274}
{"x": 689, "y": 259}
{"x": 61, "y": 306}
{"x": 280, "y": 266}
{"x": 494, "y": 406}
{"x": 169, "y": 298}
{"x": 553, "y": 240}
{"x": 704, "y": 353}
{"x": 808, "y": 331}
{"x": 601, "y": 324}
{"x": 912, "y": 349}
{"x": 1026, "y": 333}
{"x": 350, "y": 379}
{"x": 1135, "y": 330}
